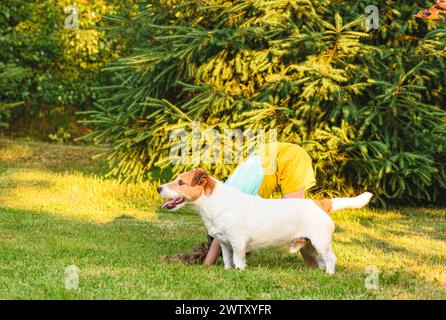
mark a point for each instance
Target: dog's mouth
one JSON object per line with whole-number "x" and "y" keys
{"x": 172, "y": 202}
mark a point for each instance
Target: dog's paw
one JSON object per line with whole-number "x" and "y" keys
{"x": 330, "y": 272}
{"x": 240, "y": 267}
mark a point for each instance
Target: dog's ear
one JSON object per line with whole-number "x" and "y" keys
{"x": 202, "y": 178}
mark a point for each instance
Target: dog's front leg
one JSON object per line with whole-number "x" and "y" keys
{"x": 227, "y": 256}
{"x": 239, "y": 254}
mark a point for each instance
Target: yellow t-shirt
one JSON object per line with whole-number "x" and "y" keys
{"x": 286, "y": 166}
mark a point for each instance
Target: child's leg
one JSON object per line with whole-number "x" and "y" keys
{"x": 309, "y": 254}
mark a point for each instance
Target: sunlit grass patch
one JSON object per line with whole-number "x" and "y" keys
{"x": 66, "y": 181}
{"x": 10, "y": 152}
{"x": 76, "y": 195}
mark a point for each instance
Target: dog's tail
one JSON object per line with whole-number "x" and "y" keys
{"x": 335, "y": 204}
{"x": 350, "y": 203}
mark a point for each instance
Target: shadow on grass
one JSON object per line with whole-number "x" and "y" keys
{"x": 123, "y": 218}
{"x": 369, "y": 242}
{"x": 52, "y": 157}
{"x": 15, "y": 183}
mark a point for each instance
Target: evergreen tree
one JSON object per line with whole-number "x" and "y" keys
{"x": 368, "y": 105}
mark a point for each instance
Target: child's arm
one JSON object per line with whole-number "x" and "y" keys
{"x": 213, "y": 253}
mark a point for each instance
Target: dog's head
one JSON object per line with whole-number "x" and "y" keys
{"x": 187, "y": 187}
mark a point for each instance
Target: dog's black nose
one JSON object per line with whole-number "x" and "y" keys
{"x": 159, "y": 189}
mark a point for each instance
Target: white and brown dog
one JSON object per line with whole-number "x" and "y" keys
{"x": 242, "y": 222}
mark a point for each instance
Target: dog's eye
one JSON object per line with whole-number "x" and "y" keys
{"x": 180, "y": 182}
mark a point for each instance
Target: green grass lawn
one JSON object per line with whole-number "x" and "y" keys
{"x": 56, "y": 210}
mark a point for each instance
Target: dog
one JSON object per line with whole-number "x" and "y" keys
{"x": 243, "y": 223}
